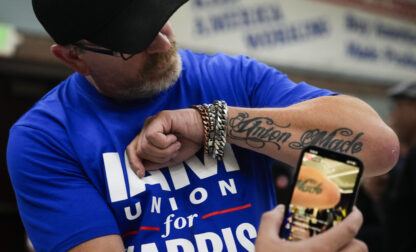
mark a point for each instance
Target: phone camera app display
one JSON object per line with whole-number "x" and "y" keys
{"x": 322, "y": 196}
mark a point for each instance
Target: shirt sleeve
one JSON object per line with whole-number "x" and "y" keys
{"x": 58, "y": 205}
{"x": 267, "y": 87}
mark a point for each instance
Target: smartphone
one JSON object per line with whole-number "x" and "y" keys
{"x": 323, "y": 192}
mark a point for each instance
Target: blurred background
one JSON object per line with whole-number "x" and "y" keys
{"x": 356, "y": 47}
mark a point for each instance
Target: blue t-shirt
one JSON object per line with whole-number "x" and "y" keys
{"x": 67, "y": 162}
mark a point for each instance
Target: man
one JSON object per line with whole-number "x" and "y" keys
{"x": 67, "y": 156}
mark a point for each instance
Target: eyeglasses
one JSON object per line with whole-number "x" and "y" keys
{"x": 124, "y": 56}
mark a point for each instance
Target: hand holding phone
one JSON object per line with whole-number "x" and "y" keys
{"x": 337, "y": 239}
{"x": 323, "y": 192}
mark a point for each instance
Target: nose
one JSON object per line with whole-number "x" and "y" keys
{"x": 160, "y": 44}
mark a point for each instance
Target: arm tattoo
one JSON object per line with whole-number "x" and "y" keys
{"x": 330, "y": 141}
{"x": 309, "y": 185}
{"x": 256, "y": 132}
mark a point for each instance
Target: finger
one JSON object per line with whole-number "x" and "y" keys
{"x": 135, "y": 162}
{"x": 271, "y": 221}
{"x": 187, "y": 150}
{"x": 150, "y": 166}
{"x": 355, "y": 246}
{"x": 340, "y": 235}
{"x": 152, "y": 153}
{"x": 268, "y": 238}
{"x": 161, "y": 140}
{"x": 148, "y": 120}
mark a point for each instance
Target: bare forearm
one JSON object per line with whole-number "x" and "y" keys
{"x": 340, "y": 123}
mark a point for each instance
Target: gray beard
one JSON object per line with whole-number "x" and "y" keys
{"x": 150, "y": 88}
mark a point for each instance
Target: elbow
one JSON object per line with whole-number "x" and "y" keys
{"x": 390, "y": 156}
{"x": 384, "y": 155}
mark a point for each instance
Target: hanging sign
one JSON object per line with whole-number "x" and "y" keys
{"x": 303, "y": 34}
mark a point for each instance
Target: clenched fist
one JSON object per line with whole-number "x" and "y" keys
{"x": 167, "y": 138}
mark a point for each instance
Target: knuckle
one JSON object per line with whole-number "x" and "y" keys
{"x": 351, "y": 229}
{"x": 148, "y": 135}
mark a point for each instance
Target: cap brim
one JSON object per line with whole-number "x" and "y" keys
{"x": 134, "y": 28}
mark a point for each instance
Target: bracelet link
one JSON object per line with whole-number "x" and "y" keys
{"x": 205, "y": 123}
{"x": 220, "y": 133}
{"x": 214, "y": 120}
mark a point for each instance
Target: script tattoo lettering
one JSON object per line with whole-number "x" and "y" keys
{"x": 330, "y": 141}
{"x": 257, "y": 131}
{"x": 309, "y": 186}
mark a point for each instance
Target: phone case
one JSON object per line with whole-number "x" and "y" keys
{"x": 322, "y": 193}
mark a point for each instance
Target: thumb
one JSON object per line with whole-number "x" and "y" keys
{"x": 279, "y": 213}
{"x": 135, "y": 162}
{"x": 272, "y": 220}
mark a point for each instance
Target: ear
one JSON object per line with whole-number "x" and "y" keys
{"x": 71, "y": 58}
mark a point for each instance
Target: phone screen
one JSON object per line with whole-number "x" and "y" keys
{"x": 323, "y": 193}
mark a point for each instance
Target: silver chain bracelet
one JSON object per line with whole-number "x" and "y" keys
{"x": 220, "y": 132}
{"x": 216, "y": 123}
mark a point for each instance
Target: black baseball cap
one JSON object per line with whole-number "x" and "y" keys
{"x": 125, "y": 26}
{"x": 404, "y": 89}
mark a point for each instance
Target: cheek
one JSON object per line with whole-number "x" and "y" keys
{"x": 101, "y": 72}
{"x": 133, "y": 65}
{"x": 109, "y": 67}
